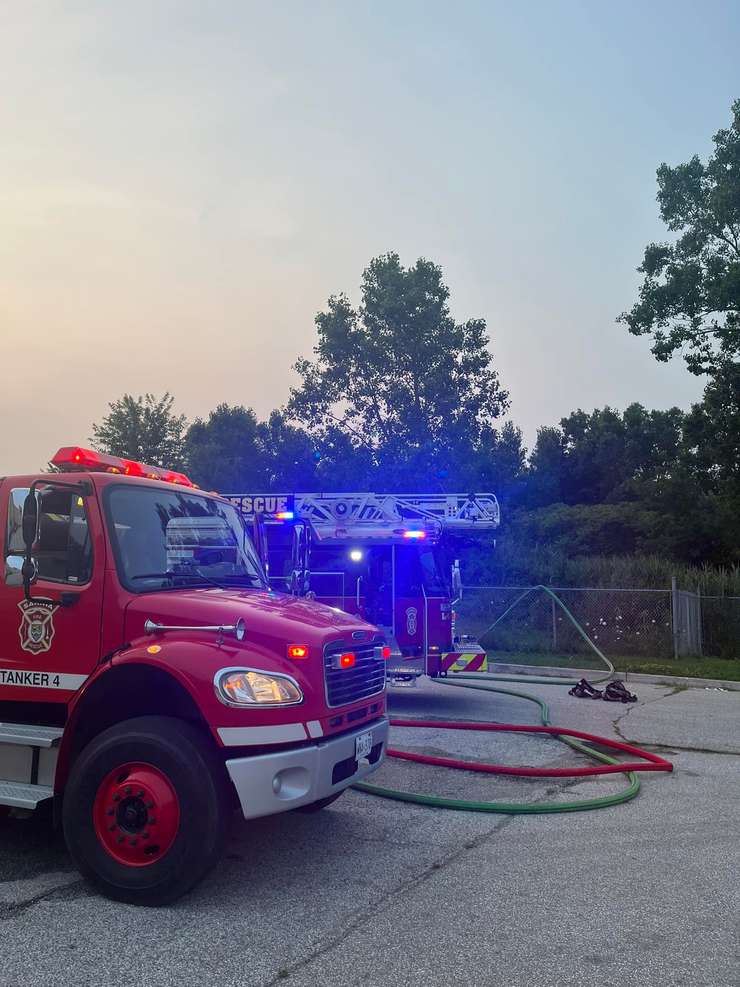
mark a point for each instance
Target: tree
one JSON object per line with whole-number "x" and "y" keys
{"x": 498, "y": 464}
{"x": 224, "y": 452}
{"x": 544, "y": 481}
{"x": 288, "y": 455}
{"x": 398, "y": 377}
{"x": 144, "y": 428}
{"x": 603, "y": 456}
{"x": 690, "y": 296}
{"x": 342, "y": 463}
{"x": 712, "y": 434}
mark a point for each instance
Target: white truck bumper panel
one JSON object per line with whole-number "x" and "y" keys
{"x": 270, "y": 783}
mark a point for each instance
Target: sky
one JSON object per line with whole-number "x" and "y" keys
{"x": 183, "y": 184}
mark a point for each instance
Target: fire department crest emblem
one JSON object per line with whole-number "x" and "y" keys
{"x": 411, "y": 613}
{"x": 37, "y": 625}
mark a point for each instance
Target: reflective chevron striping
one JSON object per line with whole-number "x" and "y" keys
{"x": 464, "y": 661}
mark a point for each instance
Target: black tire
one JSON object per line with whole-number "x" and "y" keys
{"x": 181, "y": 755}
{"x": 320, "y": 803}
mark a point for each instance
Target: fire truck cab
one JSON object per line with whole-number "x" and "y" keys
{"x": 152, "y": 681}
{"x": 382, "y": 557}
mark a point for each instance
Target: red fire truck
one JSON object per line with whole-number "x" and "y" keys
{"x": 384, "y": 557}
{"x": 151, "y": 681}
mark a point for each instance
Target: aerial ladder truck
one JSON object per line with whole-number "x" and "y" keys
{"x": 384, "y": 557}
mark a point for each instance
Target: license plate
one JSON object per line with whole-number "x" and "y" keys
{"x": 363, "y": 745}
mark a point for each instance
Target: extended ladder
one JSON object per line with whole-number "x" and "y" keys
{"x": 367, "y": 510}
{"x": 448, "y": 510}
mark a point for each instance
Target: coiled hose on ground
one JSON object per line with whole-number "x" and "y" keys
{"x": 577, "y": 740}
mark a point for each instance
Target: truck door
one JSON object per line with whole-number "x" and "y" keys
{"x": 51, "y": 643}
{"x": 421, "y": 605}
{"x": 378, "y": 587}
{"x": 333, "y": 582}
{"x": 408, "y": 602}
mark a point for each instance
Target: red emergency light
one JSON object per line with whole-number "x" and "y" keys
{"x": 414, "y": 533}
{"x": 75, "y": 458}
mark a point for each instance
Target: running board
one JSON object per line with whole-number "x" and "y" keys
{"x": 22, "y": 796}
{"x": 28, "y": 758}
{"x": 29, "y": 735}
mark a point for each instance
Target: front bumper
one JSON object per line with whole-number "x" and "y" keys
{"x": 406, "y": 665}
{"x": 271, "y": 783}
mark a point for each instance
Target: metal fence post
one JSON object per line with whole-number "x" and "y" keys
{"x": 675, "y": 616}
{"x": 554, "y": 626}
{"x": 700, "y": 635}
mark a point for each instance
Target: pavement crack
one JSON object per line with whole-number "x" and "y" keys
{"x": 680, "y": 749}
{"x": 364, "y": 914}
{"x": 638, "y": 705}
{"x": 11, "y": 910}
{"x": 616, "y": 726}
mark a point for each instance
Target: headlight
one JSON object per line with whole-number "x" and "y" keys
{"x": 250, "y": 687}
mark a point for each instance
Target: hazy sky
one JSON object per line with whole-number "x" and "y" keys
{"x": 182, "y": 185}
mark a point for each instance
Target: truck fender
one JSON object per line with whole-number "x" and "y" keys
{"x": 131, "y": 683}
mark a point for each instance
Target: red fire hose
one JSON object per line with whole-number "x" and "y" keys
{"x": 650, "y": 762}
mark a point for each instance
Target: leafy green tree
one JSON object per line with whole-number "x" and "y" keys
{"x": 588, "y": 529}
{"x": 399, "y": 377}
{"x": 603, "y": 456}
{"x": 288, "y": 455}
{"x": 546, "y": 469}
{"x": 345, "y": 464}
{"x": 224, "y": 452}
{"x": 497, "y": 464}
{"x": 712, "y": 434}
{"x": 690, "y": 295}
{"x": 143, "y": 428}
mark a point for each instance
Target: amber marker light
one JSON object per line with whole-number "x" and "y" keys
{"x": 297, "y": 651}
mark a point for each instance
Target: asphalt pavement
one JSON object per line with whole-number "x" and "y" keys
{"x": 374, "y": 892}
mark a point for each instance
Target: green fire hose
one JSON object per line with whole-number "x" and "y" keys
{"x": 482, "y": 682}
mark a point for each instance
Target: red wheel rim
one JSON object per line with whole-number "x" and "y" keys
{"x": 136, "y": 814}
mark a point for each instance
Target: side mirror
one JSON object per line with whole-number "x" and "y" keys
{"x": 457, "y": 586}
{"x": 14, "y": 570}
{"x": 259, "y": 537}
{"x": 29, "y": 527}
{"x": 300, "y": 576}
{"x": 30, "y": 521}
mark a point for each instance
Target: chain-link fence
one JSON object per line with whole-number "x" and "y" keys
{"x": 640, "y": 623}
{"x": 720, "y": 626}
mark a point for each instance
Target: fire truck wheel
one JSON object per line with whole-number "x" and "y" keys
{"x": 146, "y": 810}
{"x": 320, "y": 803}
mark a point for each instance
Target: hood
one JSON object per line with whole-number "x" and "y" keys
{"x": 269, "y": 616}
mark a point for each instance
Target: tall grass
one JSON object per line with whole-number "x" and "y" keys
{"x": 650, "y": 572}
{"x": 542, "y": 564}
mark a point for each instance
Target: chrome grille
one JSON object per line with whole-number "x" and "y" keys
{"x": 349, "y": 685}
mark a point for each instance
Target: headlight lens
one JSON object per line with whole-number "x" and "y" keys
{"x": 248, "y": 687}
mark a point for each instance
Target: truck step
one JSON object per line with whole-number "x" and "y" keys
{"x": 29, "y": 735}
{"x": 23, "y": 796}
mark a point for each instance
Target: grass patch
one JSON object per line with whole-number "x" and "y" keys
{"x": 703, "y": 668}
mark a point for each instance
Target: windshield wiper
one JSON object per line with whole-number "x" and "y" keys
{"x": 168, "y": 575}
{"x": 199, "y": 576}
{"x": 241, "y": 577}
{"x": 221, "y": 580}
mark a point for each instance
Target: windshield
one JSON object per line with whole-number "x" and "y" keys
{"x": 171, "y": 539}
